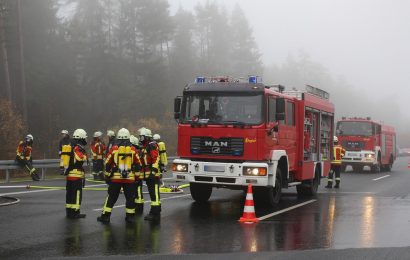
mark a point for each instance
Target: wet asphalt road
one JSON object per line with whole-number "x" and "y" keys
{"x": 369, "y": 211}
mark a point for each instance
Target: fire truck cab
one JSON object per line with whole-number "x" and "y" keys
{"x": 367, "y": 143}
{"x": 232, "y": 133}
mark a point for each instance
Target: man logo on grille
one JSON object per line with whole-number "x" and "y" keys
{"x": 216, "y": 150}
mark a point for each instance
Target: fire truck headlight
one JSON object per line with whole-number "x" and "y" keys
{"x": 254, "y": 171}
{"x": 179, "y": 167}
{"x": 369, "y": 155}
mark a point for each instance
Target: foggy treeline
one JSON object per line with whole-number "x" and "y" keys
{"x": 106, "y": 64}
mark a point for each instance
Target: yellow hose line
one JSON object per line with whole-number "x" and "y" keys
{"x": 183, "y": 186}
{"x": 91, "y": 180}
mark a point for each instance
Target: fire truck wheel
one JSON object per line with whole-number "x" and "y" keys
{"x": 200, "y": 192}
{"x": 377, "y": 167}
{"x": 309, "y": 188}
{"x": 275, "y": 193}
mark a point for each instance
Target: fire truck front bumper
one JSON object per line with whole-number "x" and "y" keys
{"x": 360, "y": 157}
{"x": 221, "y": 174}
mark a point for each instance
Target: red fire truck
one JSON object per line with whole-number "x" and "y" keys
{"x": 233, "y": 133}
{"x": 367, "y": 143}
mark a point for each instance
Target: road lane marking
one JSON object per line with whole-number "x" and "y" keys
{"x": 35, "y": 191}
{"x": 385, "y": 176}
{"x": 285, "y": 210}
{"x": 167, "y": 198}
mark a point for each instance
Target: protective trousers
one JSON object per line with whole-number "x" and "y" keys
{"x": 98, "y": 167}
{"x": 26, "y": 165}
{"x": 139, "y": 198}
{"x": 74, "y": 193}
{"x": 153, "y": 185}
{"x": 114, "y": 191}
{"x": 334, "y": 169}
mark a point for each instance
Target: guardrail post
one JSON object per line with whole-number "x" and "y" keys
{"x": 7, "y": 176}
{"x": 43, "y": 174}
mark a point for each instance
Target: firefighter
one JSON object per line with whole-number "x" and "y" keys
{"x": 111, "y": 140}
{"x": 338, "y": 153}
{"x": 163, "y": 159}
{"x": 75, "y": 173}
{"x": 24, "y": 157}
{"x": 97, "y": 150}
{"x": 62, "y": 146}
{"x": 151, "y": 173}
{"x": 135, "y": 142}
{"x": 121, "y": 165}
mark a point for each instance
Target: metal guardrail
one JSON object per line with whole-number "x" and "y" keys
{"x": 42, "y": 164}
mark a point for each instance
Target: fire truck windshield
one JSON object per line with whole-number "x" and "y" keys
{"x": 354, "y": 128}
{"x": 222, "y": 108}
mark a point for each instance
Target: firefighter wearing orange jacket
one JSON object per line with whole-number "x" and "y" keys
{"x": 97, "y": 150}
{"x": 73, "y": 160}
{"x": 338, "y": 154}
{"x": 24, "y": 158}
{"x": 150, "y": 172}
{"x": 121, "y": 165}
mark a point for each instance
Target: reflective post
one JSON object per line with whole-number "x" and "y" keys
{"x": 7, "y": 176}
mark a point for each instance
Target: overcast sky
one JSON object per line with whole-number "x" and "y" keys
{"x": 365, "y": 41}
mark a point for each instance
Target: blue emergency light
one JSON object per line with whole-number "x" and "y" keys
{"x": 200, "y": 80}
{"x": 253, "y": 79}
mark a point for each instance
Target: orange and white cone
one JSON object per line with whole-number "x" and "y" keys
{"x": 249, "y": 209}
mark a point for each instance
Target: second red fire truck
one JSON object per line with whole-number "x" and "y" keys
{"x": 367, "y": 143}
{"x": 233, "y": 133}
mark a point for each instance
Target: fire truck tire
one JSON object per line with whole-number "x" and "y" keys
{"x": 309, "y": 188}
{"x": 377, "y": 167}
{"x": 275, "y": 193}
{"x": 200, "y": 192}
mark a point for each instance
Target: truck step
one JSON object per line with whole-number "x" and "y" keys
{"x": 291, "y": 184}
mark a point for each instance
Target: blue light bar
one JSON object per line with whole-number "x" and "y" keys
{"x": 253, "y": 79}
{"x": 200, "y": 80}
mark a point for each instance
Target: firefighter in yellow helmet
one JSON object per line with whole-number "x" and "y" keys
{"x": 163, "y": 158}
{"x": 338, "y": 154}
{"x": 24, "y": 157}
{"x": 150, "y": 172}
{"x": 121, "y": 165}
{"x": 74, "y": 171}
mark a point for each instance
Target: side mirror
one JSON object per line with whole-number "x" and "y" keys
{"x": 177, "y": 107}
{"x": 280, "y": 109}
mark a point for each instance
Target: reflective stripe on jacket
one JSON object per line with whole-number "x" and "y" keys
{"x": 338, "y": 154}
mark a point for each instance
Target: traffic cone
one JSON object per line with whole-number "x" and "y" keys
{"x": 249, "y": 209}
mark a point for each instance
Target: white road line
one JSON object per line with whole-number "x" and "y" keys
{"x": 42, "y": 190}
{"x": 167, "y": 198}
{"x": 287, "y": 209}
{"x": 385, "y": 176}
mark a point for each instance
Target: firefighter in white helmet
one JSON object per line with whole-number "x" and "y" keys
{"x": 24, "y": 156}
{"x": 121, "y": 165}
{"x": 337, "y": 155}
{"x": 75, "y": 173}
{"x": 163, "y": 158}
{"x": 111, "y": 140}
{"x": 97, "y": 150}
{"x": 151, "y": 173}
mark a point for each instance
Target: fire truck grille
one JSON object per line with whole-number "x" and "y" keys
{"x": 222, "y": 146}
{"x": 353, "y": 145}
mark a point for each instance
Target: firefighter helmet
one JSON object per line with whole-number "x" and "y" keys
{"x": 145, "y": 132}
{"x": 29, "y": 137}
{"x": 110, "y": 133}
{"x": 335, "y": 139}
{"x": 98, "y": 134}
{"x": 123, "y": 134}
{"x": 80, "y": 134}
{"x": 156, "y": 137}
{"x": 64, "y": 132}
{"x": 134, "y": 140}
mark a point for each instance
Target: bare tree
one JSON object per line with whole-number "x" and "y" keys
{"x": 22, "y": 70}
{"x": 4, "y": 55}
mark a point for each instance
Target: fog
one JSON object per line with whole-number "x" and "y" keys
{"x": 365, "y": 42}
{"x": 107, "y": 64}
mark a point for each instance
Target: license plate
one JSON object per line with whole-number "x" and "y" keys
{"x": 214, "y": 168}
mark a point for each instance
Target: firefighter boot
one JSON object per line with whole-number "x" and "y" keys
{"x": 104, "y": 218}
{"x": 69, "y": 213}
{"x": 77, "y": 214}
{"x": 130, "y": 218}
{"x": 329, "y": 185}
{"x": 34, "y": 175}
{"x": 154, "y": 214}
{"x": 337, "y": 185}
{"x": 139, "y": 209}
